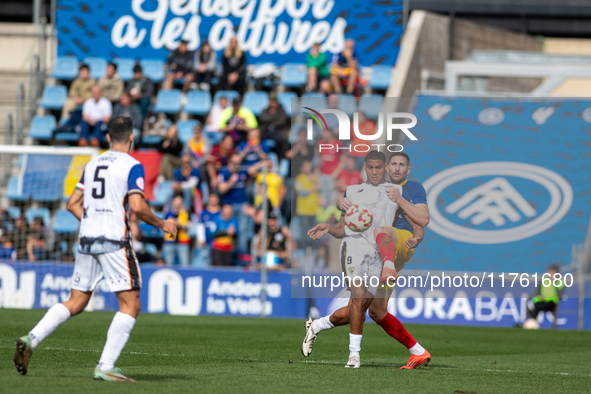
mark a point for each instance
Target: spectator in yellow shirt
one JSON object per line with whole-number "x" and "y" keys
{"x": 307, "y": 186}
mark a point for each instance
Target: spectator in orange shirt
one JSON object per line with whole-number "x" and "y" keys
{"x": 349, "y": 176}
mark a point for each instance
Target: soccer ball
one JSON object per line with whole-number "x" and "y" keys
{"x": 531, "y": 324}
{"x": 358, "y": 218}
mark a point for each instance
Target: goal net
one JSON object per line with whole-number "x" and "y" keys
{"x": 35, "y": 184}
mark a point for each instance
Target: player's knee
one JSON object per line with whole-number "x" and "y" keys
{"x": 386, "y": 230}
{"x": 376, "y": 313}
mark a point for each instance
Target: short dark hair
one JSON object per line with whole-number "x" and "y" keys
{"x": 237, "y": 100}
{"x": 83, "y": 66}
{"x": 120, "y": 128}
{"x": 375, "y": 155}
{"x": 400, "y": 154}
{"x": 553, "y": 267}
{"x": 137, "y": 69}
{"x": 112, "y": 64}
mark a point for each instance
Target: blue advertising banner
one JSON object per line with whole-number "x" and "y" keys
{"x": 275, "y": 31}
{"x": 164, "y": 290}
{"x": 508, "y": 182}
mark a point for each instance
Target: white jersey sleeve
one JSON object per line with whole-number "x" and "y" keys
{"x": 374, "y": 197}
{"x": 107, "y": 182}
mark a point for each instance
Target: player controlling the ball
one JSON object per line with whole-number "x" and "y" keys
{"x": 365, "y": 257}
{"x": 112, "y": 185}
{"x": 406, "y": 236}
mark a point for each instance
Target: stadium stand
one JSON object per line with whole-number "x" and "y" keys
{"x": 66, "y": 68}
{"x": 65, "y": 222}
{"x": 42, "y": 213}
{"x": 229, "y": 94}
{"x": 285, "y": 99}
{"x": 371, "y": 105}
{"x": 168, "y": 101}
{"x": 294, "y": 75}
{"x": 41, "y": 127}
{"x": 97, "y": 65}
{"x": 54, "y": 97}
{"x": 256, "y": 101}
{"x": 198, "y": 103}
{"x": 153, "y": 69}
{"x": 347, "y": 103}
{"x": 185, "y": 129}
{"x": 124, "y": 67}
{"x": 380, "y": 77}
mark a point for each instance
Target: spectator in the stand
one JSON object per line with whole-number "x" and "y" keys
{"x": 350, "y": 175}
{"x": 96, "y": 114}
{"x": 111, "y": 84}
{"x": 278, "y": 243}
{"x": 274, "y": 125}
{"x": 232, "y": 183}
{"x": 178, "y": 247}
{"x": 6, "y": 221}
{"x": 180, "y": 65}
{"x": 141, "y": 89}
{"x": 226, "y": 229}
{"x": 317, "y": 70}
{"x": 253, "y": 149}
{"x": 80, "y": 91}
{"x": 138, "y": 245}
{"x": 218, "y": 159}
{"x": 237, "y": 120}
{"x": 208, "y": 219}
{"x": 170, "y": 147}
{"x": 126, "y": 107}
{"x": 234, "y": 67}
{"x": 275, "y": 188}
{"x": 329, "y": 165}
{"x": 36, "y": 240}
{"x": 198, "y": 146}
{"x": 186, "y": 179}
{"x": 345, "y": 69}
{"x": 19, "y": 237}
{"x": 7, "y": 250}
{"x": 212, "y": 124}
{"x": 204, "y": 64}
{"x": 300, "y": 152}
{"x": 366, "y": 127}
{"x": 332, "y": 122}
{"x": 307, "y": 186}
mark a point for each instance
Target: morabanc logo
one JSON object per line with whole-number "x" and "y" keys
{"x": 386, "y": 124}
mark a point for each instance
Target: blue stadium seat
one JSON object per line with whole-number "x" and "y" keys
{"x": 229, "y": 94}
{"x": 347, "y": 104}
{"x": 97, "y": 65}
{"x": 294, "y": 75}
{"x": 371, "y": 105}
{"x": 214, "y": 137}
{"x": 41, "y": 127}
{"x": 65, "y": 222}
{"x": 151, "y": 140}
{"x": 256, "y": 101}
{"x": 67, "y": 137}
{"x": 285, "y": 101}
{"x": 168, "y": 101}
{"x": 124, "y": 67}
{"x": 198, "y": 102}
{"x": 54, "y": 97}
{"x": 12, "y": 192}
{"x": 273, "y": 157}
{"x": 380, "y": 77}
{"x": 151, "y": 249}
{"x": 162, "y": 193}
{"x": 75, "y": 248}
{"x": 316, "y": 101}
{"x": 43, "y": 213}
{"x": 185, "y": 128}
{"x": 153, "y": 69}
{"x": 283, "y": 168}
{"x": 14, "y": 212}
{"x": 66, "y": 68}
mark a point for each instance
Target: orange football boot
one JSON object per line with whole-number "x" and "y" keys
{"x": 418, "y": 361}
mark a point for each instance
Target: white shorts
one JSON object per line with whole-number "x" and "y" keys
{"x": 360, "y": 259}
{"x": 120, "y": 270}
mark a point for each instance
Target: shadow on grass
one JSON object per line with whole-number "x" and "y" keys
{"x": 159, "y": 378}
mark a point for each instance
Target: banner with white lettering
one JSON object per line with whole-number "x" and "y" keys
{"x": 268, "y": 30}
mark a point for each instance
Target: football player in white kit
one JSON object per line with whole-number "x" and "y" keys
{"x": 369, "y": 259}
{"x": 111, "y": 186}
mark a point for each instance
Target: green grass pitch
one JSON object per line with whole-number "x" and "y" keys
{"x": 172, "y": 354}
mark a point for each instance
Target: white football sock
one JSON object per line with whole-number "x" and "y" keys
{"x": 117, "y": 337}
{"x": 417, "y": 349}
{"x": 354, "y": 345}
{"x": 322, "y": 324}
{"x": 55, "y": 316}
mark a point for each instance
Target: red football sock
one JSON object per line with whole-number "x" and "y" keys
{"x": 386, "y": 247}
{"x": 396, "y": 330}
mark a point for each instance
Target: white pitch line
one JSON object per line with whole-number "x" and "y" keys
{"x": 319, "y": 362}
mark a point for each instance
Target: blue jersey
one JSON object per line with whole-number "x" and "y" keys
{"x": 237, "y": 193}
{"x": 414, "y": 193}
{"x": 209, "y": 221}
{"x": 252, "y": 157}
{"x": 180, "y": 177}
